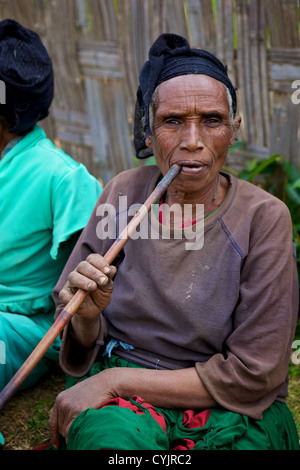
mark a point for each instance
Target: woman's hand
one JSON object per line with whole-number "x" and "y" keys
{"x": 95, "y": 276}
{"x": 90, "y": 393}
{"x": 180, "y": 388}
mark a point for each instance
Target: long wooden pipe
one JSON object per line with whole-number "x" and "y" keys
{"x": 71, "y": 308}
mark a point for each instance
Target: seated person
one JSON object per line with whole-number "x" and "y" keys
{"x": 178, "y": 347}
{"x": 46, "y": 199}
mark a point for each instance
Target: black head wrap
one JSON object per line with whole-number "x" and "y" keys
{"x": 26, "y": 69}
{"x": 171, "y": 56}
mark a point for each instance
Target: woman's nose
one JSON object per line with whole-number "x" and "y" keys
{"x": 191, "y": 137}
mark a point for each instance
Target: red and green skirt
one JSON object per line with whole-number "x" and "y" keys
{"x": 136, "y": 425}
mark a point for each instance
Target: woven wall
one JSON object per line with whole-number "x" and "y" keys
{"x": 99, "y": 46}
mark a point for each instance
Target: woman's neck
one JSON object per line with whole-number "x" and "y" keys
{"x": 210, "y": 199}
{"x": 213, "y": 194}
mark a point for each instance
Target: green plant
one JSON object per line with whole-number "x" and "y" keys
{"x": 281, "y": 178}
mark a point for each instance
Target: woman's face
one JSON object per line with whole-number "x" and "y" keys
{"x": 192, "y": 127}
{"x": 5, "y": 135}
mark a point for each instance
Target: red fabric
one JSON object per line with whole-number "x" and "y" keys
{"x": 184, "y": 444}
{"x": 118, "y": 401}
{"x": 193, "y": 419}
{"x": 127, "y": 404}
{"x": 44, "y": 447}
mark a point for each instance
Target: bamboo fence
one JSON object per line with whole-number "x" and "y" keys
{"x": 99, "y": 46}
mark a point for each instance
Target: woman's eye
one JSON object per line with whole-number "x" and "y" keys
{"x": 172, "y": 121}
{"x": 213, "y": 122}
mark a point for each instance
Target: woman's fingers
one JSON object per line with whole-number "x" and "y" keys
{"x": 93, "y": 275}
{"x": 101, "y": 264}
{"x": 61, "y": 418}
{"x": 90, "y": 274}
{"x": 53, "y": 427}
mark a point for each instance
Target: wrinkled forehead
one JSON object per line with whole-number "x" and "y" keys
{"x": 195, "y": 88}
{"x": 193, "y": 83}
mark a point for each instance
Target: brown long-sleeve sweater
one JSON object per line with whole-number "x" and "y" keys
{"x": 229, "y": 308}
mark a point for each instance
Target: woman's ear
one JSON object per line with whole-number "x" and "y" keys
{"x": 149, "y": 142}
{"x": 236, "y": 126}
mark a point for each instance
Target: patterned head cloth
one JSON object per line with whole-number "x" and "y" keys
{"x": 171, "y": 56}
{"x": 26, "y": 70}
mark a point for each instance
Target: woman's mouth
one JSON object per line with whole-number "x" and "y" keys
{"x": 192, "y": 168}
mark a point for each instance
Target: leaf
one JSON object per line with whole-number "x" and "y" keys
{"x": 230, "y": 170}
{"x": 245, "y": 175}
{"x": 296, "y": 184}
{"x": 150, "y": 161}
{"x": 293, "y": 193}
{"x": 290, "y": 170}
{"x": 258, "y": 167}
{"x": 235, "y": 146}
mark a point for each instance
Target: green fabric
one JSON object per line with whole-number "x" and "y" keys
{"x": 21, "y": 334}
{"x": 2, "y": 440}
{"x": 45, "y": 196}
{"x": 114, "y": 427}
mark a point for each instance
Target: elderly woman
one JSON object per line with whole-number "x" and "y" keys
{"x": 182, "y": 348}
{"x": 46, "y": 199}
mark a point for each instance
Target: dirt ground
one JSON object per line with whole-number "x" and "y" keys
{"x": 24, "y": 420}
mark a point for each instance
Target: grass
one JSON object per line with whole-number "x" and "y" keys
{"x": 24, "y": 420}
{"x": 293, "y": 399}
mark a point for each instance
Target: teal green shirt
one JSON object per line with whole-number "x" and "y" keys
{"x": 45, "y": 197}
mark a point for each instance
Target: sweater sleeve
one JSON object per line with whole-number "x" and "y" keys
{"x": 72, "y": 202}
{"x": 248, "y": 376}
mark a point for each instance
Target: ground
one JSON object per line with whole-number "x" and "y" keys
{"x": 24, "y": 420}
